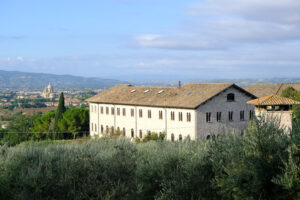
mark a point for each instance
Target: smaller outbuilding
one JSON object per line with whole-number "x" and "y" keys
{"x": 276, "y": 107}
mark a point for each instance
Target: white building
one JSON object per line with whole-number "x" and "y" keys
{"x": 194, "y": 110}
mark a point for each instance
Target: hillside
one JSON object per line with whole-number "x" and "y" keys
{"x": 16, "y": 80}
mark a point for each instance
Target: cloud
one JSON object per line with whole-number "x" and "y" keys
{"x": 178, "y": 42}
{"x": 19, "y": 58}
{"x": 12, "y": 37}
{"x": 222, "y": 24}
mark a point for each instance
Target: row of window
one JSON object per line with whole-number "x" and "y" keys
{"x": 108, "y": 130}
{"x": 230, "y": 116}
{"x": 149, "y": 113}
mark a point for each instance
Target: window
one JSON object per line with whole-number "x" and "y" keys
{"x": 101, "y": 109}
{"x": 160, "y": 114}
{"x": 188, "y": 117}
{"x": 107, "y": 129}
{"x": 132, "y": 112}
{"x": 230, "y": 116}
{"x": 112, "y": 130}
{"x": 92, "y": 127}
{"x": 124, "y": 132}
{"x": 149, "y": 132}
{"x": 140, "y": 113}
{"x": 230, "y": 97}
{"x": 118, "y": 130}
{"x": 107, "y": 110}
{"x": 149, "y": 114}
{"x": 242, "y": 115}
{"x": 172, "y": 137}
{"x": 208, "y": 137}
{"x": 112, "y": 111}
{"x": 251, "y": 114}
{"x": 92, "y": 108}
{"x": 118, "y": 111}
{"x": 132, "y": 133}
{"x": 180, "y": 138}
{"x": 172, "y": 116}
{"x": 124, "y": 111}
{"x": 141, "y": 134}
{"x": 208, "y": 117}
{"x": 219, "y": 116}
{"x": 102, "y": 129}
{"x": 180, "y": 116}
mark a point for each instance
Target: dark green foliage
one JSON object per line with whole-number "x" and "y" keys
{"x": 19, "y": 129}
{"x": 74, "y": 121}
{"x": 152, "y": 137}
{"x": 296, "y": 123}
{"x": 291, "y": 93}
{"x": 44, "y": 126}
{"x": 59, "y": 113}
{"x": 250, "y": 163}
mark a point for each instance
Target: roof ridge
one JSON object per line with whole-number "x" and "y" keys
{"x": 267, "y": 98}
{"x": 280, "y": 86}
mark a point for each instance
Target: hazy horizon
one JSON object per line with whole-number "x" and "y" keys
{"x": 145, "y": 40}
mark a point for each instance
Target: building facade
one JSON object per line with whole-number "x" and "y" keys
{"x": 193, "y": 111}
{"x": 48, "y": 92}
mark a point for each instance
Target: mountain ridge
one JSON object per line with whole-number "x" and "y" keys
{"x": 17, "y": 80}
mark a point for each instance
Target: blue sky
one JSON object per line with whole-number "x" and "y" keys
{"x": 152, "y": 39}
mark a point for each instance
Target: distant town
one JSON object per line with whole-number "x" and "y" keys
{"x": 31, "y": 101}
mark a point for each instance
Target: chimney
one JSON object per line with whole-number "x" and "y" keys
{"x": 179, "y": 84}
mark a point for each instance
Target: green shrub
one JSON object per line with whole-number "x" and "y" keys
{"x": 262, "y": 164}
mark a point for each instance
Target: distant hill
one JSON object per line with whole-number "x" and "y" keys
{"x": 17, "y": 80}
{"x": 248, "y": 82}
{"x": 239, "y": 82}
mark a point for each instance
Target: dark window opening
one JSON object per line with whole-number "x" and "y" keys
{"x": 242, "y": 115}
{"x": 251, "y": 114}
{"x": 160, "y": 114}
{"x": 180, "y": 116}
{"x": 188, "y": 117}
{"x": 230, "y": 97}
{"x": 219, "y": 116}
{"x": 208, "y": 117}
{"x": 230, "y": 116}
{"x": 141, "y": 134}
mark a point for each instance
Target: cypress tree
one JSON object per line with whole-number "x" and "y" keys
{"x": 60, "y": 110}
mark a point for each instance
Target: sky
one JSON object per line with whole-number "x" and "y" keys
{"x": 152, "y": 39}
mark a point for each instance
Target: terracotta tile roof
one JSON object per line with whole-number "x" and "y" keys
{"x": 273, "y": 99}
{"x": 261, "y": 90}
{"x": 189, "y": 96}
